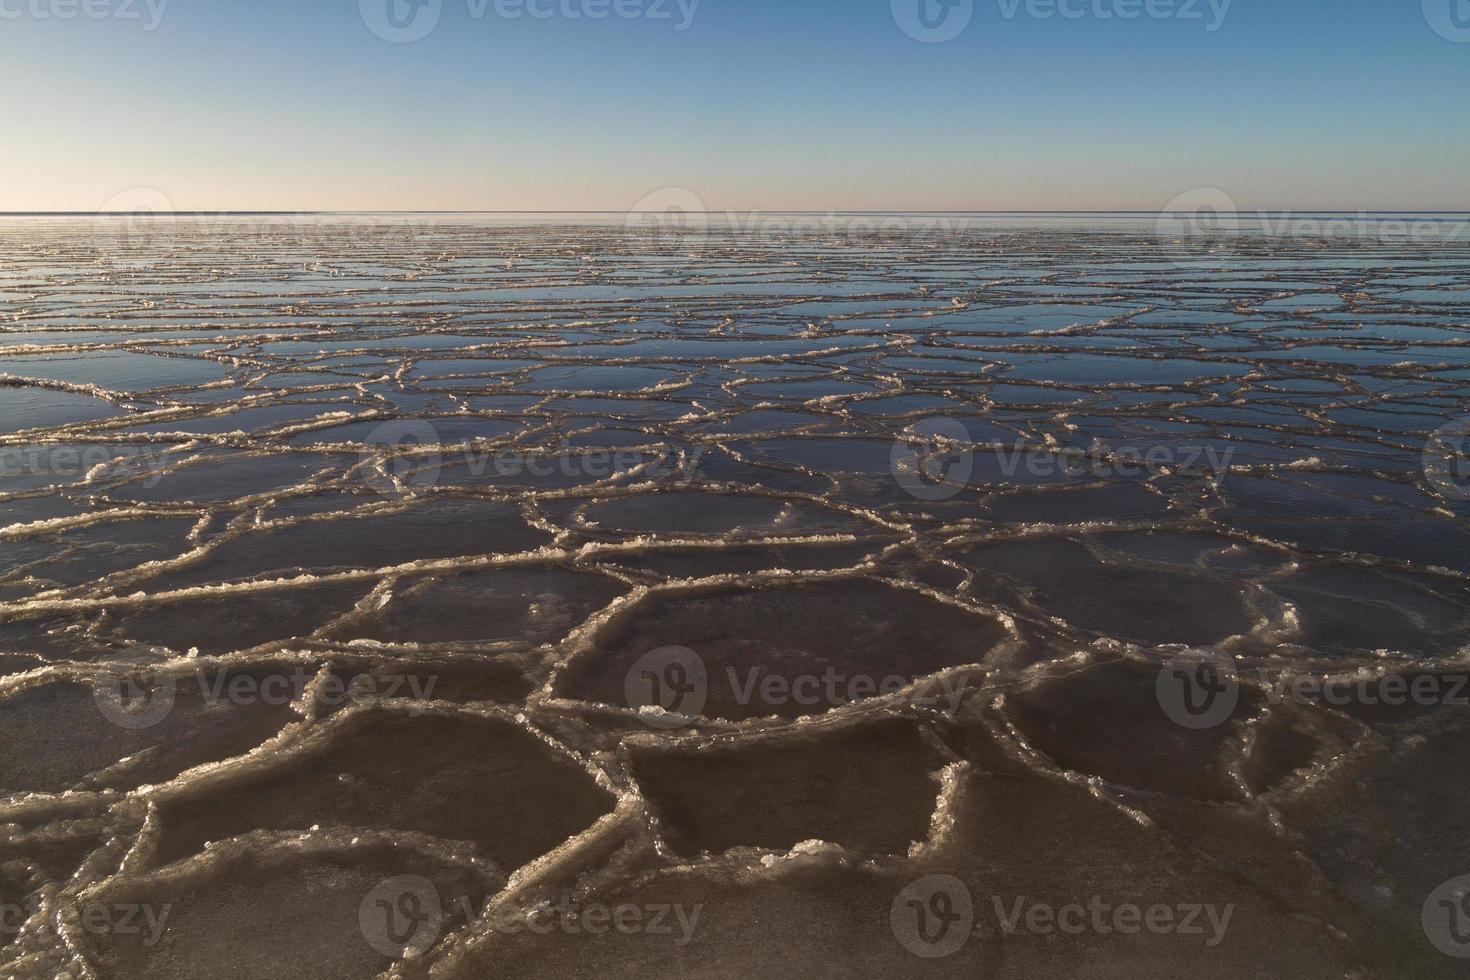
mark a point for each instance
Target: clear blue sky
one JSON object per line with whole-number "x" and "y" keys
{"x": 758, "y": 104}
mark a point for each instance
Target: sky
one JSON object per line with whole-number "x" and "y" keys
{"x": 768, "y": 105}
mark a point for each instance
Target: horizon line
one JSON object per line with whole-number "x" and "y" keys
{"x": 282, "y": 213}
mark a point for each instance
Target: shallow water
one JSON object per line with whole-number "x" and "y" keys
{"x": 470, "y": 597}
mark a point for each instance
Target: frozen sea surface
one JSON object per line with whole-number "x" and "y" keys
{"x": 467, "y": 598}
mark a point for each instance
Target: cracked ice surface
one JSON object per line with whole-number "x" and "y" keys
{"x": 395, "y": 518}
